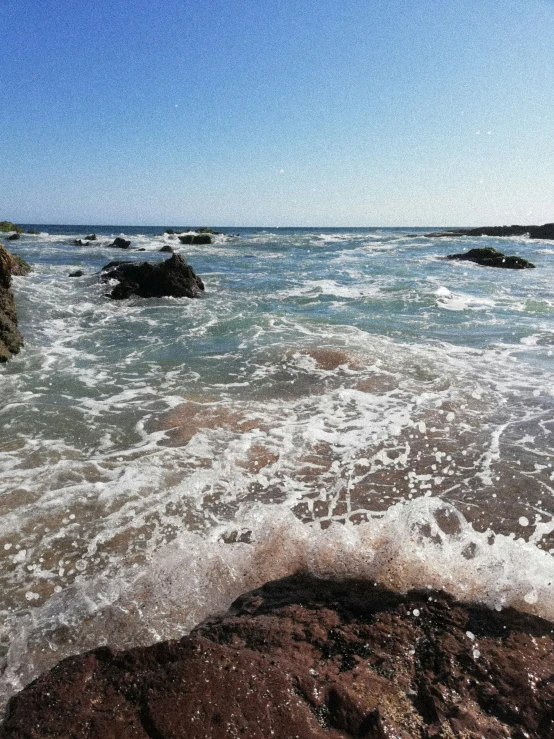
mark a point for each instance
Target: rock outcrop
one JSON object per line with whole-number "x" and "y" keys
{"x": 7, "y": 226}
{"x": 173, "y": 277}
{"x": 303, "y": 658}
{"x": 120, "y": 243}
{"x": 534, "y": 232}
{"x": 489, "y": 257}
{"x": 197, "y": 238}
{"x": 11, "y": 339}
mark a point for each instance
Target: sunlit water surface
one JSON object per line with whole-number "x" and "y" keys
{"x": 345, "y": 401}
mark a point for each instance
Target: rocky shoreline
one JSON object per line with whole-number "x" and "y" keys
{"x": 546, "y": 231}
{"x": 11, "y": 339}
{"x": 303, "y": 657}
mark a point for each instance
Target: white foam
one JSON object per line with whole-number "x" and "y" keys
{"x": 458, "y": 301}
{"x": 425, "y": 543}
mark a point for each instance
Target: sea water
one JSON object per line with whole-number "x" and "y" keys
{"x": 342, "y": 401}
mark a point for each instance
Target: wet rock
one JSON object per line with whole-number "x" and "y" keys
{"x": 197, "y": 238}
{"x": 167, "y": 248}
{"x": 19, "y": 266}
{"x": 77, "y": 273}
{"x": 120, "y": 243}
{"x": 14, "y": 237}
{"x": 33, "y": 231}
{"x": 173, "y": 277}
{"x": 11, "y": 339}
{"x": 534, "y": 232}
{"x": 304, "y": 658}
{"x": 79, "y": 242}
{"x": 90, "y": 237}
{"x": 489, "y": 257}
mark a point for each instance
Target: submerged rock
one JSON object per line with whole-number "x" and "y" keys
{"x": 90, "y": 237}
{"x": 33, "y": 231}
{"x": 11, "y": 339}
{"x": 120, "y": 243}
{"x": 79, "y": 242}
{"x": 489, "y": 257}
{"x": 173, "y": 277}
{"x": 167, "y": 248}
{"x": 310, "y": 659}
{"x": 534, "y": 232}
{"x": 77, "y": 273}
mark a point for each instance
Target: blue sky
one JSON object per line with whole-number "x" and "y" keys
{"x": 277, "y": 112}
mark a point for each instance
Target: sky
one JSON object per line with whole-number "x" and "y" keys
{"x": 277, "y": 112}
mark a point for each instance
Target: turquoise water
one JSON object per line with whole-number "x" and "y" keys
{"x": 326, "y": 377}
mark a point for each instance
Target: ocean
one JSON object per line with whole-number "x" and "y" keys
{"x": 341, "y": 401}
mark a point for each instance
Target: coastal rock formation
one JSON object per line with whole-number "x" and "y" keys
{"x": 197, "y": 238}
{"x": 11, "y": 340}
{"x": 120, "y": 243}
{"x": 304, "y": 658}
{"x": 14, "y": 237}
{"x": 172, "y": 277}
{"x": 7, "y": 226}
{"x": 90, "y": 237}
{"x": 490, "y": 257}
{"x": 534, "y": 232}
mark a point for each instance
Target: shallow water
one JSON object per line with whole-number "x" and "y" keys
{"x": 340, "y": 400}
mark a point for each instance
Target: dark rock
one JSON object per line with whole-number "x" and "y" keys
{"x": 11, "y": 339}
{"x": 542, "y": 232}
{"x": 14, "y": 237}
{"x": 77, "y": 273}
{"x": 90, "y": 237}
{"x": 141, "y": 249}
{"x": 172, "y": 277}
{"x": 169, "y": 231}
{"x": 7, "y": 226}
{"x": 198, "y": 238}
{"x": 79, "y": 242}
{"x": 303, "y": 658}
{"x": 120, "y": 243}
{"x": 534, "y": 232}
{"x": 167, "y": 248}
{"x": 33, "y": 231}
{"x": 489, "y": 257}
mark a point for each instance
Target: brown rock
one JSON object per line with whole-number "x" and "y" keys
{"x": 11, "y": 340}
{"x": 303, "y": 658}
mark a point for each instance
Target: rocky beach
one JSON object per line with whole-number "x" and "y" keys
{"x": 293, "y": 483}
